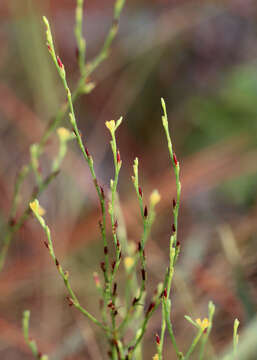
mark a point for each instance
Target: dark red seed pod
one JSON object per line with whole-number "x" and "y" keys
{"x": 174, "y": 203}
{"x": 165, "y": 293}
{"x": 105, "y": 250}
{"x": 46, "y": 245}
{"x": 49, "y": 47}
{"x": 173, "y": 228}
{"x": 118, "y": 157}
{"x": 57, "y": 262}
{"x": 135, "y": 300}
{"x": 102, "y": 192}
{"x": 139, "y": 246}
{"x": 60, "y": 64}
{"x": 175, "y": 159}
{"x": 150, "y": 308}
{"x": 116, "y": 224}
{"x": 143, "y": 274}
{"x": 87, "y": 152}
{"x": 114, "y": 292}
{"x": 113, "y": 265}
{"x": 115, "y": 313}
{"x": 118, "y": 243}
{"x": 70, "y": 301}
{"x": 178, "y": 244}
{"x": 140, "y": 191}
{"x": 110, "y": 304}
{"x": 145, "y": 212}
{"x": 102, "y": 265}
{"x": 157, "y": 339}
{"x": 120, "y": 255}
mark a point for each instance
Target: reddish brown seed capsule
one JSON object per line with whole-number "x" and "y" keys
{"x": 150, "y": 308}
{"x": 57, "y": 262}
{"x": 105, "y": 250}
{"x": 140, "y": 191}
{"x": 143, "y": 274}
{"x": 60, "y": 64}
{"x": 116, "y": 224}
{"x": 139, "y": 246}
{"x": 174, "y": 203}
{"x": 87, "y": 152}
{"x": 157, "y": 339}
{"x": 145, "y": 212}
{"x": 46, "y": 245}
{"x": 135, "y": 300}
{"x": 165, "y": 293}
{"x": 70, "y": 301}
{"x": 175, "y": 159}
{"x": 113, "y": 265}
{"x": 118, "y": 156}
{"x": 102, "y": 192}
{"x": 173, "y": 228}
{"x": 114, "y": 289}
{"x": 178, "y": 244}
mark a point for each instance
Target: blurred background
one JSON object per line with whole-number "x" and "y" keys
{"x": 201, "y": 56}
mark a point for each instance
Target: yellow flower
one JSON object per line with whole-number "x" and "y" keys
{"x": 63, "y": 133}
{"x": 155, "y": 197}
{"x": 110, "y": 125}
{"x": 36, "y": 208}
{"x": 203, "y": 324}
{"x": 156, "y": 357}
{"x": 128, "y": 262}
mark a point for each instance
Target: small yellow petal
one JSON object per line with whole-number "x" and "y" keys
{"x": 110, "y": 125}
{"x": 155, "y": 197}
{"x": 203, "y": 324}
{"x": 36, "y": 208}
{"x": 63, "y": 133}
{"x": 128, "y": 262}
{"x": 156, "y": 357}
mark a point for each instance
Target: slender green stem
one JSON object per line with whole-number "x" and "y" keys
{"x": 30, "y": 342}
{"x": 73, "y": 300}
{"x": 15, "y": 226}
{"x": 174, "y": 249}
{"x": 80, "y": 89}
{"x": 81, "y": 42}
{"x": 194, "y": 343}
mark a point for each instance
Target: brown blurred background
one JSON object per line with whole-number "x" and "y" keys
{"x": 201, "y": 56}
